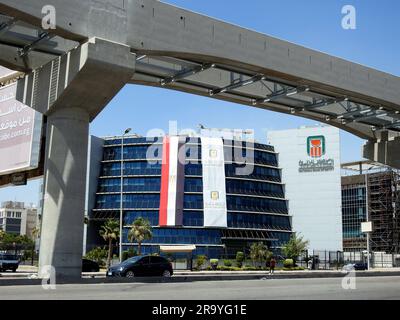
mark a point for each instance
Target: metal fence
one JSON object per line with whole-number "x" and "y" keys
{"x": 335, "y": 260}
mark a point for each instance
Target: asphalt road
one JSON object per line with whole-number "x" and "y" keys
{"x": 308, "y": 289}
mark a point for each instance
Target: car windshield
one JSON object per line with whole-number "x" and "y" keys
{"x": 131, "y": 260}
{"x": 8, "y": 257}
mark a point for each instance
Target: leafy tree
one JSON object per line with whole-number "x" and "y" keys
{"x": 129, "y": 254}
{"x": 239, "y": 259}
{"x": 98, "y": 255}
{"x": 200, "y": 261}
{"x": 110, "y": 232}
{"x": 294, "y": 248}
{"x": 259, "y": 252}
{"x": 11, "y": 239}
{"x": 140, "y": 231}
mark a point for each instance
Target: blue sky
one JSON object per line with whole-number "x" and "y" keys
{"x": 312, "y": 23}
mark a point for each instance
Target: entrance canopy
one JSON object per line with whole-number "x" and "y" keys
{"x": 177, "y": 249}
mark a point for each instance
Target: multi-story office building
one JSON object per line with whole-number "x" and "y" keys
{"x": 217, "y": 194}
{"x": 17, "y": 218}
{"x": 311, "y": 160}
{"x": 371, "y": 192}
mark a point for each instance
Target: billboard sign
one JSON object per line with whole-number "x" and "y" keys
{"x": 20, "y": 133}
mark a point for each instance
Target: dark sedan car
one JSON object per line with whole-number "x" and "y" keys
{"x": 142, "y": 266}
{"x": 360, "y": 266}
{"x": 90, "y": 266}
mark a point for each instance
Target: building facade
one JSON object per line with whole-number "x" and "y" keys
{"x": 354, "y": 213}
{"x": 312, "y": 175}
{"x": 371, "y": 195}
{"x": 217, "y": 194}
{"x": 17, "y": 218}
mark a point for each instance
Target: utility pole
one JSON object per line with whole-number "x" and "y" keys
{"x": 121, "y": 211}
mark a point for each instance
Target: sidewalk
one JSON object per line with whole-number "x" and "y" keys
{"x": 28, "y": 276}
{"x": 280, "y": 272}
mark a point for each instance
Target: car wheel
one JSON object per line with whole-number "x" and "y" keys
{"x": 14, "y": 270}
{"x": 130, "y": 274}
{"x": 166, "y": 274}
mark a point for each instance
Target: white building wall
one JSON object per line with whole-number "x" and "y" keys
{"x": 24, "y": 217}
{"x": 314, "y": 197}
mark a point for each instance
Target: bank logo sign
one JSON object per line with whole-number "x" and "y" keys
{"x": 316, "y": 146}
{"x": 316, "y": 149}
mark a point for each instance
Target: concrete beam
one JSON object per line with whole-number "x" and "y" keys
{"x": 87, "y": 78}
{"x": 385, "y": 150}
{"x": 155, "y": 28}
{"x": 11, "y": 59}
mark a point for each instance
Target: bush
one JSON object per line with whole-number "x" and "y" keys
{"x": 239, "y": 259}
{"x": 250, "y": 268}
{"x": 288, "y": 263}
{"x": 293, "y": 269}
{"x": 200, "y": 261}
{"x": 214, "y": 263}
{"x": 227, "y": 263}
{"x": 98, "y": 255}
{"x": 128, "y": 254}
{"x": 225, "y": 268}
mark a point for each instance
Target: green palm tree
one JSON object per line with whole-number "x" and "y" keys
{"x": 110, "y": 232}
{"x": 140, "y": 231}
{"x": 259, "y": 252}
{"x": 295, "y": 247}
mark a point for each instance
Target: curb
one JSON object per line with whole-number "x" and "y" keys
{"x": 193, "y": 278}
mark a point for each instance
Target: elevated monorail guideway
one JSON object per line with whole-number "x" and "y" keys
{"x": 73, "y": 71}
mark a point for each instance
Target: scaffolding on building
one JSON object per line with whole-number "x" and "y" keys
{"x": 383, "y": 204}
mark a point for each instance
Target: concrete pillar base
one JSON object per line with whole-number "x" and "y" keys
{"x": 64, "y": 196}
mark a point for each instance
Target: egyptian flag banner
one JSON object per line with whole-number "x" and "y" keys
{"x": 172, "y": 182}
{"x": 214, "y": 188}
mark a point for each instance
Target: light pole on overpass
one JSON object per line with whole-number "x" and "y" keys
{"x": 121, "y": 211}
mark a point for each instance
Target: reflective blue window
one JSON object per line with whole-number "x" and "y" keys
{"x": 193, "y": 201}
{"x": 254, "y": 187}
{"x": 193, "y": 185}
{"x": 139, "y": 168}
{"x": 193, "y": 219}
{"x": 130, "y": 201}
{"x": 259, "y": 173}
{"x": 131, "y": 216}
{"x": 182, "y": 236}
{"x": 146, "y": 152}
{"x": 236, "y": 203}
{"x": 130, "y": 185}
{"x": 258, "y": 221}
{"x": 193, "y": 169}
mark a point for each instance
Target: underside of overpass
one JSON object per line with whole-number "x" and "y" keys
{"x": 71, "y": 72}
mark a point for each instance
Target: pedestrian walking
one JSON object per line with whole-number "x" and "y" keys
{"x": 272, "y": 265}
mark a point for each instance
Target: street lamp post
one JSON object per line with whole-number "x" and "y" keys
{"x": 121, "y": 207}
{"x": 367, "y": 227}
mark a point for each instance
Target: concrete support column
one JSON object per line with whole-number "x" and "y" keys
{"x": 71, "y": 91}
{"x": 64, "y": 192}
